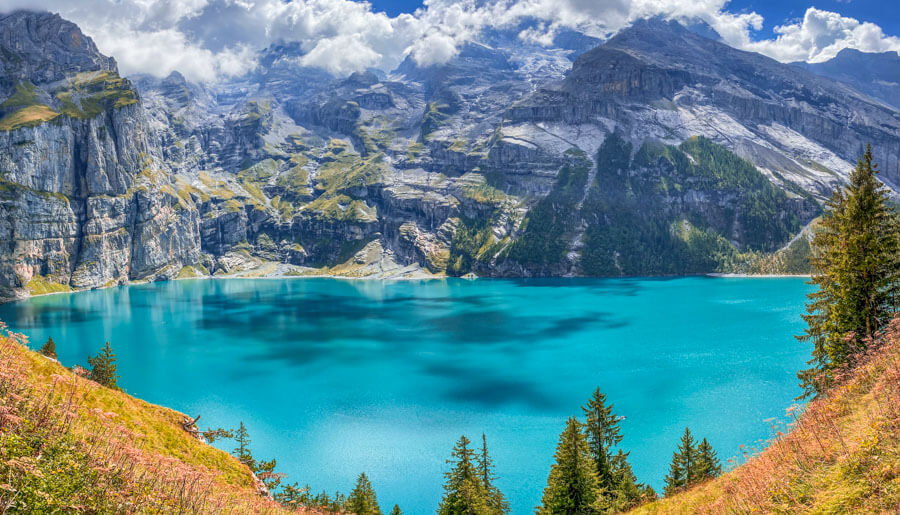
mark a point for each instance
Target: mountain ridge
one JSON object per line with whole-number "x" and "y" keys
{"x": 479, "y": 166}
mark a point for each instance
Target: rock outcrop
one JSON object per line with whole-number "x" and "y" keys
{"x": 82, "y": 201}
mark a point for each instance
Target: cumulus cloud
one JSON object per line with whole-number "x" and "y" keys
{"x": 210, "y": 39}
{"x": 821, "y": 35}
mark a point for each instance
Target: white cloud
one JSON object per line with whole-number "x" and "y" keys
{"x": 821, "y": 35}
{"x": 209, "y": 39}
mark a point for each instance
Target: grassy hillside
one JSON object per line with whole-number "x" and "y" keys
{"x": 841, "y": 455}
{"x": 68, "y": 444}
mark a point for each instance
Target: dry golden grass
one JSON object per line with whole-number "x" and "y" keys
{"x": 840, "y": 455}
{"x": 135, "y": 453}
{"x": 30, "y": 116}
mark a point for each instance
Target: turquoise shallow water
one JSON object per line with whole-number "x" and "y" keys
{"x": 336, "y": 377}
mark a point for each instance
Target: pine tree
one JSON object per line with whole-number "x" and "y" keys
{"x": 464, "y": 492}
{"x": 103, "y": 367}
{"x": 362, "y": 500}
{"x": 856, "y": 266}
{"x": 627, "y": 492}
{"x": 617, "y": 481}
{"x": 49, "y": 348}
{"x": 293, "y": 496}
{"x": 572, "y": 487}
{"x": 682, "y": 471}
{"x": 265, "y": 471}
{"x": 707, "y": 466}
{"x": 603, "y": 433}
{"x": 396, "y": 510}
{"x": 485, "y": 465}
{"x": 242, "y": 451}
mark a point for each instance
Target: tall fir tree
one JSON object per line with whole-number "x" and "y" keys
{"x": 708, "y": 465}
{"x": 103, "y": 367}
{"x": 683, "y": 469}
{"x": 619, "y": 487}
{"x": 464, "y": 492}
{"x": 49, "y": 348}
{"x": 293, "y": 496}
{"x": 485, "y": 465}
{"x": 396, "y": 510}
{"x": 627, "y": 493}
{"x": 242, "y": 452}
{"x": 362, "y": 500}
{"x": 603, "y": 434}
{"x": 856, "y": 266}
{"x": 265, "y": 471}
{"x": 572, "y": 487}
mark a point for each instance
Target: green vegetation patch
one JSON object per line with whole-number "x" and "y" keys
{"x": 30, "y": 116}
{"x": 435, "y": 116}
{"x": 40, "y": 285}
{"x": 295, "y": 180}
{"x": 550, "y": 224}
{"x": 641, "y": 221}
{"x": 89, "y": 94}
{"x": 25, "y": 95}
{"x": 478, "y": 189}
{"x": 342, "y": 208}
{"x": 473, "y": 243}
{"x": 341, "y": 175}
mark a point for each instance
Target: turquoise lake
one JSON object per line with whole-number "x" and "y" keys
{"x": 336, "y": 377}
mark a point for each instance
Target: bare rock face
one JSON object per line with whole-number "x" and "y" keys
{"x": 83, "y": 202}
{"x": 43, "y": 47}
{"x": 659, "y": 79}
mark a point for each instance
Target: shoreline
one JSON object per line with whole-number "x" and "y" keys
{"x": 469, "y": 277}
{"x": 755, "y": 276}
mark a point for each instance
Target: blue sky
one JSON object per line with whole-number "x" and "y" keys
{"x": 395, "y": 7}
{"x": 210, "y": 39}
{"x": 885, "y": 13}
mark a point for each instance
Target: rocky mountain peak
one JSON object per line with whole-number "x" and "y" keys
{"x": 42, "y": 47}
{"x": 875, "y": 74}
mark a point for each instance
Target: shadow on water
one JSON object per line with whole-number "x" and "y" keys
{"x": 297, "y": 324}
{"x": 32, "y": 316}
{"x": 488, "y": 388}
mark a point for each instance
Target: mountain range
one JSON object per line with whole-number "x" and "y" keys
{"x": 657, "y": 151}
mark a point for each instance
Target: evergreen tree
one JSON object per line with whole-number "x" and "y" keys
{"x": 485, "y": 465}
{"x": 627, "y": 492}
{"x": 464, "y": 492}
{"x": 707, "y": 466}
{"x": 103, "y": 367}
{"x": 293, "y": 496}
{"x": 337, "y": 502}
{"x": 619, "y": 486}
{"x": 572, "y": 487}
{"x": 856, "y": 266}
{"x": 265, "y": 471}
{"x": 603, "y": 433}
{"x": 682, "y": 471}
{"x": 242, "y": 451}
{"x": 49, "y": 348}
{"x": 396, "y": 510}
{"x": 361, "y": 500}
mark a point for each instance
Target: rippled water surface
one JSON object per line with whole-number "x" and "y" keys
{"x": 336, "y": 377}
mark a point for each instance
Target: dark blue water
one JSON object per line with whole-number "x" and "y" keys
{"x": 337, "y": 377}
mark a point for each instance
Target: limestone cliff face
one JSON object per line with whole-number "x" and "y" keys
{"x": 657, "y": 75}
{"x": 82, "y": 202}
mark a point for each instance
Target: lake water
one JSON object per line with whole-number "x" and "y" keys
{"x": 335, "y": 377}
